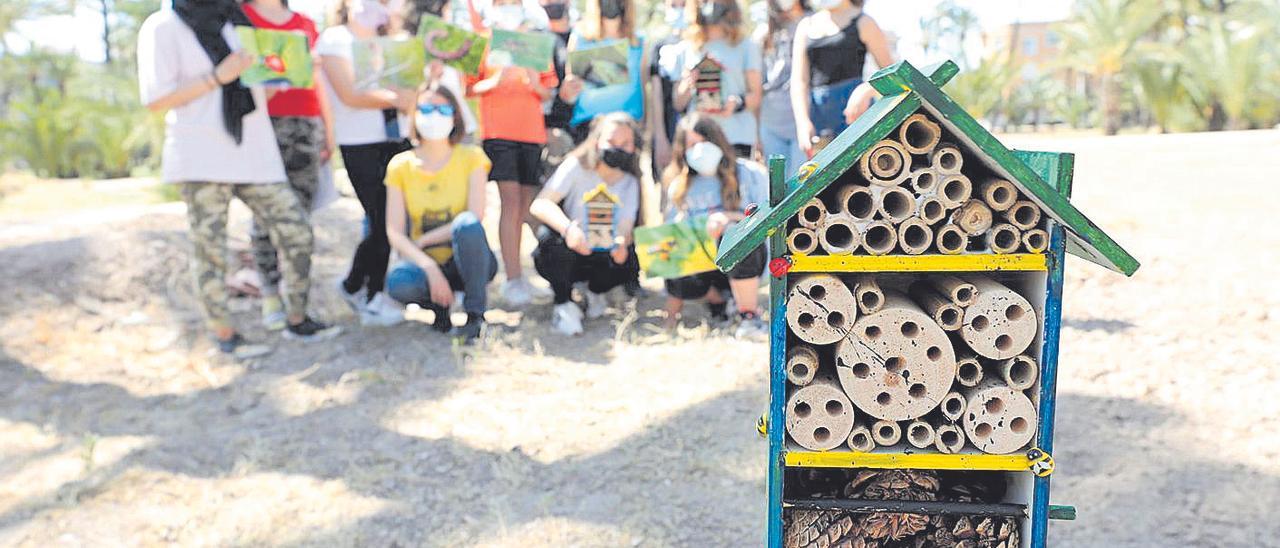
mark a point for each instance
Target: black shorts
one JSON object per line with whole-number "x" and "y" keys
{"x": 514, "y": 161}
{"x": 696, "y": 286}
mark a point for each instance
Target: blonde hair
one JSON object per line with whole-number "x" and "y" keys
{"x": 676, "y": 177}
{"x": 591, "y": 26}
{"x": 732, "y": 22}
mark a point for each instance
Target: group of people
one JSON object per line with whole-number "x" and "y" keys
{"x": 420, "y": 160}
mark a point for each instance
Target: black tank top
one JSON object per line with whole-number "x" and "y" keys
{"x": 838, "y": 57}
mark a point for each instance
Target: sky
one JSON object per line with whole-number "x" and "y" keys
{"x": 81, "y": 33}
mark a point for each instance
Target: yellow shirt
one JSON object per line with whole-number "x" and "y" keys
{"x": 434, "y": 199}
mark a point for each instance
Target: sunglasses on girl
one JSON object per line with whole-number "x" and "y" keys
{"x": 446, "y": 110}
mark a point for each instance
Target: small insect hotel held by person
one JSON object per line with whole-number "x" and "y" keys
{"x": 916, "y": 298}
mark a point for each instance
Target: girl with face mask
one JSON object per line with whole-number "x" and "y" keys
{"x": 827, "y": 91}
{"x": 662, "y": 78}
{"x": 438, "y": 189}
{"x": 706, "y": 180}
{"x": 777, "y": 122}
{"x": 717, "y": 33}
{"x": 370, "y": 126}
{"x": 604, "y": 22}
{"x": 578, "y": 246}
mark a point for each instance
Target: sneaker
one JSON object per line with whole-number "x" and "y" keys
{"x": 467, "y": 333}
{"x": 596, "y": 304}
{"x": 273, "y": 316}
{"x": 311, "y": 331}
{"x": 718, "y": 312}
{"x": 633, "y": 289}
{"x": 381, "y": 311}
{"x": 240, "y": 348}
{"x": 538, "y": 291}
{"x": 516, "y": 293}
{"x": 751, "y": 327}
{"x": 357, "y": 301}
{"x": 566, "y": 318}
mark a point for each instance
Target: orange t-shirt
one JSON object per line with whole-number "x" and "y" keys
{"x": 512, "y": 111}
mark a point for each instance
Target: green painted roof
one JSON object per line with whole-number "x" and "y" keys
{"x": 905, "y": 91}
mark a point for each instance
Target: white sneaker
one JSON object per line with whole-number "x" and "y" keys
{"x": 516, "y": 293}
{"x": 566, "y": 318}
{"x": 596, "y": 304}
{"x": 751, "y": 328}
{"x": 382, "y": 311}
{"x": 538, "y": 291}
{"x": 357, "y": 301}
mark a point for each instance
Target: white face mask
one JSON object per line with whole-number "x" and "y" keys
{"x": 434, "y": 125}
{"x": 369, "y": 13}
{"x": 786, "y": 5}
{"x": 824, "y": 4}
{"x": 507, "y": 17}
{"x": 675, "y": 18}
{"x": 704, "y": 158}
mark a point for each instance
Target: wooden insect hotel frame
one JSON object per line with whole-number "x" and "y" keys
{"x": 916, "y": 307}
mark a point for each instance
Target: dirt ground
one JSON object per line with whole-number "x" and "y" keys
{"x": 118, "y": 427}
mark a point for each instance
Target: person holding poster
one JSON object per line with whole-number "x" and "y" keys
{"x": 610, "y": 80}
{"x": 513, "y": 133}
{"x": 717, "y": 55}
{"x": 369, "y": 128}
{"x": 304, "y": 133}
{"x": 705, "y": 179}
{"x": 589, "y": 209}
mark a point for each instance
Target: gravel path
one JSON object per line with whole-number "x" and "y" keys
{"x": 117, "y": 427}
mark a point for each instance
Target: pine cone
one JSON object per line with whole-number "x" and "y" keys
{"x": 894, "y": 527}
{"x": 822, "y": 529}
{"x": 986, "y": 528}
{"x": 963, "y": 529}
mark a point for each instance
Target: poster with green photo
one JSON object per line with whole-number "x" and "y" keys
{"x": 388, "y": 63}
{"x": 532, "y": 50}
{"x": 452, "y": 44}
{"x": 675, "y": 250}
{"x": 280, "y": 58}
{"x": 602, "y": 65}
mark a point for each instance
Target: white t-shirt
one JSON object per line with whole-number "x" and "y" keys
{"x": 352, "y": 126}
{"x": 197, "y": 147}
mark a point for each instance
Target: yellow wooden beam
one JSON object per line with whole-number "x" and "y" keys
{"x": 918, "y": 263}
{"x": 844, "y": 459}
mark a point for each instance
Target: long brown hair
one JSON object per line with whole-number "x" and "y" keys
{"x": 777, "y": 20}
{"x": 459, "y": 124}
{"x": 591, "y": 25}
{"x": 697, "y": 33}
{"x": 676, "y": 177}
{"x": 588, "y": 153}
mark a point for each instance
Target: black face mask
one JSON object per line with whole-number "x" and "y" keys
{"x": 434, "y": 7}
{"x": 556, "y": 11}
{"x": 712, "y": 13}
{"x": 612, "y": 9}
{"x": 617, "y": 158}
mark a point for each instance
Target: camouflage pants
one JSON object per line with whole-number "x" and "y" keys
{"x": 285, "y": 220}
{"x": 300, "y": 140}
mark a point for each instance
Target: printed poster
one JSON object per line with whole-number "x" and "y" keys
{"x": 280, "y": 58}
{"x": 674, "y": 250}
{"x": 532, "y": 50}
{"x": 452, "y": 44}
{"x": 603, "y": 65}
{"x": 389, "y": 63}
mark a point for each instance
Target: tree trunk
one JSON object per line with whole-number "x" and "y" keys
{"x": 106, "y": 30}
{"x": 1110, "y": 104}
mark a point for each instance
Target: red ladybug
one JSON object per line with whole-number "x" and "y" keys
{"x": 779, "y": 267}
{"x": 275, "y": 63}
{"x": 751, "y": 209}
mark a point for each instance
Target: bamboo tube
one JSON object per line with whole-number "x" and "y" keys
{"x": 886, "y": 433}
{"x": 895, "y": 204}
{"x": 838, "y": 235}
{"x": 919, "y": 434}
{"x": 856, "y": 201}
{"x": 951, "y": 240}
{"x": 860, "y": 440}
{"x": 954, "y": 190}
{"x": 973, "y": 217}
{"x": 802, "y": 365}
{"x": 812, "y": 214}
{"x": 879, "y": 238}
{"x": 930, "y": 209}
{"x": 914, "y": 236}
{"x": 1000, "y": 324}
{"x": 968, "y": 370}
{"x": 946, "y": 158}
{"x": 1019, "y": 372}
{"x": 886, "y": 164}
{"x": 953, "y": 406}
{"x": 949, "y": 439}
{"x": 919, "y": 135}
{"x": 959, "y": 291}
{"x": 820, "y": 309}
{"x": 938, "y": 306}
{"x": 819, "y": 416}
{"x": 802, "y": 241}
{"x": 924, "y": 180}
{"x": 1004, "y": 238}
{"x": 867, "y": 292}
{"x": 998, "y": 194}
{"x": 1035, "y": 240}
{"x": 999, "y": 420}
{"x": 1023, "y": 214}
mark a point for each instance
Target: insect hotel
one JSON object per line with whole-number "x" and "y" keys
{"x": 916, "y": 306}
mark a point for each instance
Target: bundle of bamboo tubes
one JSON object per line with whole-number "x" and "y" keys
{"x": 938, "y": 362}
{"x": 915, "y": 193}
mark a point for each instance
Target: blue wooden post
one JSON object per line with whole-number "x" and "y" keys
{"x": 777, "y": 359}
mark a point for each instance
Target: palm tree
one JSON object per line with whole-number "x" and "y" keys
{"x": 1099, "y": 40}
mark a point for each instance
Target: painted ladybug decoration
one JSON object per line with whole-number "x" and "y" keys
{"x": 275, "y": 63}
{"x": 779, "y": 267}
{"x": 751, "y": 209}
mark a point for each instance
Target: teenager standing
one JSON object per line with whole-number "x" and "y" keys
{"x": 717, "y": 36}
{"x": 777, "y": 120}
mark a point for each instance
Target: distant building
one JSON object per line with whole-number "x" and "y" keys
{"x": 1036, "y": 51}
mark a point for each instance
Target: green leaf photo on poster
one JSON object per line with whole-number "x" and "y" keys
{"x": 280, "y": 58}
{"x": 452, "y": 44}
{"x": 675, "y": 250}
{"x": 388, "y": 63}
{"x": 532, "y": 50}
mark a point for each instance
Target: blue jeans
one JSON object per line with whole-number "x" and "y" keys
{"x": 827, "y": 104}
{"x": 786, "y": 145}
{"x": 469, "y": 270}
